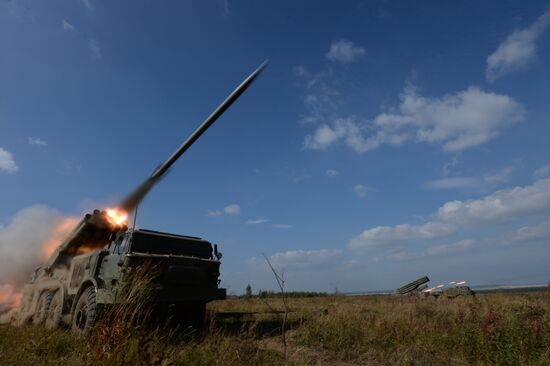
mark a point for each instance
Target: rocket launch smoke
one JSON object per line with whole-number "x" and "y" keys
{"x": 25, "y": 243}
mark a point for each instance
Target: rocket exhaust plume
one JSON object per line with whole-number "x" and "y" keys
{"x": 25, "y": 243}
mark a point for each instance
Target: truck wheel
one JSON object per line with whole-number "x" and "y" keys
{"x": 42, "y": 307}
{"x": 85, "y": 311}
{"x": 55, "y": 312}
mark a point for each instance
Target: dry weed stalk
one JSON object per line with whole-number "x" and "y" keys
{"x": 279, "y": 277}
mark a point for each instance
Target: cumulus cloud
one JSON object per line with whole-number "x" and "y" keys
{"x": 256, "y": 221}
{"x": 37, "y": 141}
{"x": 528, "y": 233}
{"x": 95, "y": 48}
{"x": 542, "y": 171}
{"x": 501, "y": 206}
{"x": 458, "y": 121}
{"x": 518, "y": 50}
{"x": 232, "y": 209}
{"x": 344, "y": 51}
{"x": 390, "y": 235}
{"x": 7, "y": 162}
{"x": 360, "y": 190}
{"x": 490, "y": 179}
{"x": 320, "y": 97}
{"x": 458, "y": 246}
{"x": 67, "y": 26}
{"x": 500, "y": 176}
{"x": 531, "y": 233}
{"x": 300, "y": 259}
{"x": 348, "y": 130}
{"x": 332, "y": 173}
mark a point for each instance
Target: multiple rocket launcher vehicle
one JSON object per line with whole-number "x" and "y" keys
{"x": 88, "y": 269}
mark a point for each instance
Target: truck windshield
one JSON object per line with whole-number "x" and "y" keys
{"x": 145, "y": 241}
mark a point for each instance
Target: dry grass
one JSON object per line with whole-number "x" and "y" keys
{"x": 492, "y": 329}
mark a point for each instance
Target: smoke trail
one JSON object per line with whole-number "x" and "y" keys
{"x": 25, "y": 243}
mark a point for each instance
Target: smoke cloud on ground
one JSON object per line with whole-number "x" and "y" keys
{"x": 25, "y": 243}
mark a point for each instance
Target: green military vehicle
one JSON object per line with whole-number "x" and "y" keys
{"x": 91, "y": 266}
{"x": 69, "y": 289}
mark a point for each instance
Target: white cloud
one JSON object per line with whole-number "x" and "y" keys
{"x": 531, "y": 233}
{"x": 282, "y": 226}
{"x": 517, "y": 51}
{"x": 501, "y": 176}
{"x": 542, "y": 171}
{"x": 256, "y": 221}
{"x": 332, "y": 173}
{"x": 452, "y": 183}
{"x": 360, "y": 190}
{"x": 459, "y": 121}
{"x": 491, "y": 179}
{"x": 348, "y": 130}
{"x": 95, "y": 48}
{"x": 300, "y": 259}
{"x": 232, "y": 209}
{"x": 67, "y": 26}
{"x": 528, "y": 233}
{"x": 501, "y": 206}
{"x": 344, "y": 51}
{"x": 7, "y": 163}
{"x": 37, "y": 141}
{"x": 320, "y": 98}
{"x": 390, "y": 235}
{"x": 459, "y": 246}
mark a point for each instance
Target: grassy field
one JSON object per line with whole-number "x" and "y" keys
{"x": 490, "y": 329}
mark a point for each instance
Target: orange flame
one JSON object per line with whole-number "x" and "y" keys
{"x": 116, "y": 216}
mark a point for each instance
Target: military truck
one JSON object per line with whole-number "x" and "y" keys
{"x": 69, "y": 292}
{"x": 90, "y": 267}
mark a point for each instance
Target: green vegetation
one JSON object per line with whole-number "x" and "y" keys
{"x": 490, "y": 329}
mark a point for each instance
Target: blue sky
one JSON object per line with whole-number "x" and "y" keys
{"x": 385, "y": 141}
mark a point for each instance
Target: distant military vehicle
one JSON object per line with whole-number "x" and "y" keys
{"x": 457, "y": 291}
{"x": 413, "y": 287}
{"x": 90, "y": 267}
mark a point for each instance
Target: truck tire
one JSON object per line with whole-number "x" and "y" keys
{"x": 85, "y": 311}
{"x": 42, "y": 307}
{"x": 55, "y": 311}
